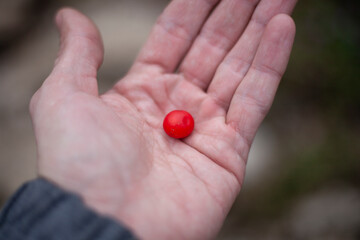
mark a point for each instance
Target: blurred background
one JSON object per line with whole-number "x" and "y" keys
{"x": 303, "y": 176}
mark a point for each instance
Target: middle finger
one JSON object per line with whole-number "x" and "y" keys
{"x": 216, "y": 38}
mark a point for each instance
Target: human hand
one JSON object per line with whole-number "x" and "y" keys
{"x": 111, "y": 148}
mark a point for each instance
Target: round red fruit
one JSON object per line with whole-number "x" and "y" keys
{"x": 178, "y": 124}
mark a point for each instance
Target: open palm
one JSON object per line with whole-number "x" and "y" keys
{"x": 229, "y": 57}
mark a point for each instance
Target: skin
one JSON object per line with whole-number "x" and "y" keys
{"x": 219, "y": 60}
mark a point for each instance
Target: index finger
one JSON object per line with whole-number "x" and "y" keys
{"x": 173, "y": 33}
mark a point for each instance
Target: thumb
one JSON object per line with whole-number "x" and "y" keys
{"x": 80, "y": 54}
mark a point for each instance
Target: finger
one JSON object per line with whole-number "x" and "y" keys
{"x": 80, "y": 54}
{"x": 173, "y": 34}
{"x": 216, "y": 38}
{"x": 236, "y": 64}
{"x": 255, "y": 94}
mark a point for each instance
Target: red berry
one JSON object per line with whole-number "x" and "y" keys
{"x": 178, "y": 124}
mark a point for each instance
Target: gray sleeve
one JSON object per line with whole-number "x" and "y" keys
{"x": 40, "y": 210}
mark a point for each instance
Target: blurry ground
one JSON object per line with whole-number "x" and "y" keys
{"x": 303, "y": 178}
